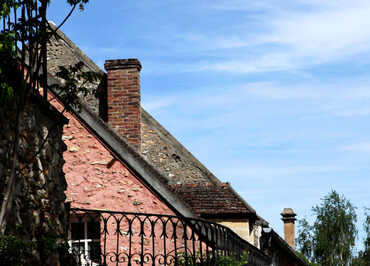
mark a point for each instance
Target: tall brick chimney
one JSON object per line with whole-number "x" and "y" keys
{"x": 123, "y": 90}
{"x": 288, "y": 217}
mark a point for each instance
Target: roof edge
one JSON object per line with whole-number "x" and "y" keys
{"x": 51, "y": 111}
{"x": 75, "y": 50}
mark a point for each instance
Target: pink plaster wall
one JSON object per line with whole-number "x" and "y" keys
{"x": 98, "y": 181}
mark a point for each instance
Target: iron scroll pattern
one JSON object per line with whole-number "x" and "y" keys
{"x": 108, "y": 238}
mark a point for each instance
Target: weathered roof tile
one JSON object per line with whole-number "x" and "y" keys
{"x": 213, "y": 199}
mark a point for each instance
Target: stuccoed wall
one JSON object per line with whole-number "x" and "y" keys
{"x": 38, "y": 210}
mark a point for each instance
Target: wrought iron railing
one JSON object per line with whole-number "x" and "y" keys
{"x": 119, "y": 238}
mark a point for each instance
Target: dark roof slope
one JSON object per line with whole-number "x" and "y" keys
{"x": 165, "y": 152}
{"x": 210, "y": 200}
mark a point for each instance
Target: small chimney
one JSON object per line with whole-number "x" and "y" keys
{"x": 288, "y": 217}
{"x": 123, "y": 89}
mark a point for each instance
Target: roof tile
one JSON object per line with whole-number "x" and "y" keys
{"x": 208, "y": 198}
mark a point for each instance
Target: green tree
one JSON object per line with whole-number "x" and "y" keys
{"x": 330, "y": 239}
{"x": 363, "y": 257}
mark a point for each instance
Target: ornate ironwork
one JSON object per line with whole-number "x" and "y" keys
{"x": 99, "y": 237}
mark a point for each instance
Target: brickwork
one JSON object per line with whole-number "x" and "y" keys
{"x": 123, "y": 83}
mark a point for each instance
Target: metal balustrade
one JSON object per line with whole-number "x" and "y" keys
{"x": 99, "y": 237}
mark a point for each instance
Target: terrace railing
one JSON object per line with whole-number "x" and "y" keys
{"x": 120, "y": 238}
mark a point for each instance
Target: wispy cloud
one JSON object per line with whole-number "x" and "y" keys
{"x": 324, "y": 35}
{"x": 300, "y": 35}
{"x": 350, "y": 112}
{"x": 155, "y": 103}
{"x": 358, "y": 147}
{"x": 265, "y": 173}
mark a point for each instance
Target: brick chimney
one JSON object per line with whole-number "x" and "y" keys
{"x": 288, "y": 217}
{"x": 123, "y": 90}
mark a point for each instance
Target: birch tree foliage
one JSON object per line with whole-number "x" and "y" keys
{"x": 331, "y": 238}
{"x": 363, "y": 257}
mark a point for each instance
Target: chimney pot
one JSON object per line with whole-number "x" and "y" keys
{"x": 288, "y": 217}
{"x": 122, "y": 64}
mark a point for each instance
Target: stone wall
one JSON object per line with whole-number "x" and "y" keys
{"x": 38, "y": 209}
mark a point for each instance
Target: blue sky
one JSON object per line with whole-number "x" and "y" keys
{"x": 272, "y": 96}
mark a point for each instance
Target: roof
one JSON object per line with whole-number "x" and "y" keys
{"x": 210, "y": 200}
{"x": 158, "y": 148}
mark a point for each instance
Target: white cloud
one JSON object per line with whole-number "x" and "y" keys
{"x": 350, "y": 112}
{"x": 270, "y": 172}
{"x": 265, "y": 63}
{"x": 280, "y": 92}
{"x": 291, "y": 36}
{"x": 324, "y": 35}
{"x": 156, "y": 103}
{"x": 358, "y": 147}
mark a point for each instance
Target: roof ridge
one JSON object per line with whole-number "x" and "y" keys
{"x": 202, "y": 184}
{"x": 75, "y": 49}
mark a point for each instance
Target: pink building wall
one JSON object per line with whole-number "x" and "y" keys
{"x": 96, "y": 180}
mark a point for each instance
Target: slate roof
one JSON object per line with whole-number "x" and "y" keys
{"x": 158, "y": 147}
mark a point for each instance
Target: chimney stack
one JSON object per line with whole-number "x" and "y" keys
{"x": 288, "y": 217}
{"x": 123, "y": 89}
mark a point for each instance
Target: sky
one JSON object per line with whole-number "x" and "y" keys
{"x": 271, "y": 96}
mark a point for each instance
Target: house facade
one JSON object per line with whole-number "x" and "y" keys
{"x": 123, "y": 163}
